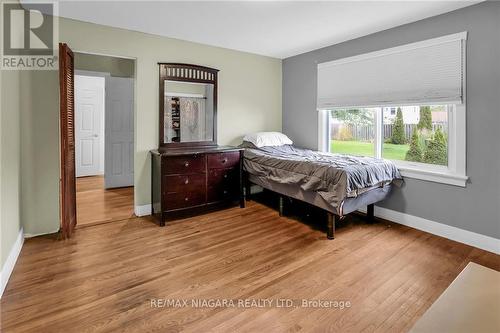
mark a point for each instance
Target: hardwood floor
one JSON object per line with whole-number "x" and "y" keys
{"x": 94, "y": 204}
{"x": 104, "y": 278}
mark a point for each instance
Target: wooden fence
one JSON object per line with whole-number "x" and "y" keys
{"x": 367, "y": 132}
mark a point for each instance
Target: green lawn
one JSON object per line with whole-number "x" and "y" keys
{"x": 390, "y": 151}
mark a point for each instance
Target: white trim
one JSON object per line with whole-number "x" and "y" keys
{"x": 143, "y": 210}
{"x": 434, "y": 176}
{"x": 378, "y": 139}
{"x": 483, "y": 242}
{"x": 457, "y": 145}
{"x": 397, "y": 49}
{"x": 323, "y": 131}
{"x": 9, "y": 264}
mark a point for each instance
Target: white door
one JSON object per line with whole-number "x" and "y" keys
{"x": 119, "y": 150}
{"x": 89, "y": 127}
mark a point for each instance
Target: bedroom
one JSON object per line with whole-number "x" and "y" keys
{"x": 426, "y": 231}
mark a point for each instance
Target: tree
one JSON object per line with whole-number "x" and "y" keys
{"x": 354, "y": 116}
{"x": 425, "y": 121}
{"x": 437, "y": 152}
{"x": 398, "y": 130}
{"x": 415, "y": 152}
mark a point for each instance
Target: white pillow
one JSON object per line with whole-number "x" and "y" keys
{"x": 263, "y": 139}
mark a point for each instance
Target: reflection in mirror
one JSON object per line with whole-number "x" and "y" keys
{"x": 189, "y": 112}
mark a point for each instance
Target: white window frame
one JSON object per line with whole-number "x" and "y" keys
{"x": 453, "y": 174}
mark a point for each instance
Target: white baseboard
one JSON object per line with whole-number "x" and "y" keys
{"x": 28, "y": 235}
{"x": 460, "y": 235}
{"x": 9, "y": 264}
{"x": 143, "y": 210}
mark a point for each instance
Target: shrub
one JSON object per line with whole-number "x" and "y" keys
{"x": 398, "y": 131}
{"x": 414, "y": 153}
{"x": 425, "y": 121}
{"x": 344, "y": 134}
{"x": 437, "y": 152}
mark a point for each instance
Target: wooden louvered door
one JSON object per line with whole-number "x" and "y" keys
{"x": 67, "y": 129}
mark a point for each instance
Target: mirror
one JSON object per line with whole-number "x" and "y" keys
{"x": 188, "y": 105}
{"x": 189, "y": 112}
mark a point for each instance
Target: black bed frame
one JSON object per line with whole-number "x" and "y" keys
{"x": 332, "y": 218}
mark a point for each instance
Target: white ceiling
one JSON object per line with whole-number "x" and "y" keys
{"x": 273, "y": 28}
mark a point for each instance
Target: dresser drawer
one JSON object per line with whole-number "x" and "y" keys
{"x": 223, "y": 160}
{"x": 223, "y": 176}
{"x": 185, "y": 164}
{"x": 221, "y": 192}
{"x": 184, "y": 199}
{"x": 183, "y": 183}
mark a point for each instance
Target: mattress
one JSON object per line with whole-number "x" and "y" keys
{"x": 333, "y": 177}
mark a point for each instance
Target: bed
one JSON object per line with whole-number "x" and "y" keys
{"x": 337, "y": 183}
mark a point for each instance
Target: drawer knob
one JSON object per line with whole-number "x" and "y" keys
{"x": 186, "y": 181}
{"x": 225, "y": 191}
{"x": 186, "y": 164}
{"x": 186, "y": 199}
{"x": 225, "y": 175}
{"x": 224, "y": 160}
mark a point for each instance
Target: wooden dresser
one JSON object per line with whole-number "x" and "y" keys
{"x": 194, "y": 179}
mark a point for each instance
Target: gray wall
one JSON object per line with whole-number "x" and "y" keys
{"x": 476, "y": 207}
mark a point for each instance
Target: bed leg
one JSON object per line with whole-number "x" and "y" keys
{"x": 330, "y": 232}
{"x": 370, "y": 213}
{"x": 242, "y": 183}
{"x": 281, "y": 205}
{"x": 248, "y": 187}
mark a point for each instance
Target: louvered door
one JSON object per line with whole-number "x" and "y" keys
{"x": 67, "y": 129}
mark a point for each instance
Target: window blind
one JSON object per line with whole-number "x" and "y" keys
{"x": 431, "y": 71}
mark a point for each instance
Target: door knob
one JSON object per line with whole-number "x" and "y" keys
{"x": 95, "y": 135}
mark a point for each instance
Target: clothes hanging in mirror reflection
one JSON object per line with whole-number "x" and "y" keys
{"x": 192, "y": 123}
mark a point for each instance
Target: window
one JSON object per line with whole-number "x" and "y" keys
{"x": 352, "y": 131}
{"x": 405, "y": 104}
{"x": 416, "y": 134}
{"x": 413, "y": 133}
{"x": 416, "y": 138}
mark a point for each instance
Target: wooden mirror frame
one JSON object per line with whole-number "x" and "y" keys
{"x": 186, "y": 73}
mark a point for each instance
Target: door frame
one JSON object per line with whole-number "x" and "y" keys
{"x": 65, "y": 235}
{"x": 95, "y": 73}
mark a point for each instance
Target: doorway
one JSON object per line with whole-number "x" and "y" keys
{"x": 104, "y": 138}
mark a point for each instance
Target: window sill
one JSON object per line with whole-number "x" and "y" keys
{"x": 442, "y": 177}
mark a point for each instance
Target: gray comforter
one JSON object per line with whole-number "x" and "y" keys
{"x": 333, "y": 176}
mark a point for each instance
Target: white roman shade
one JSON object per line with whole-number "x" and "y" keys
{"x": 431, "y": 71}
